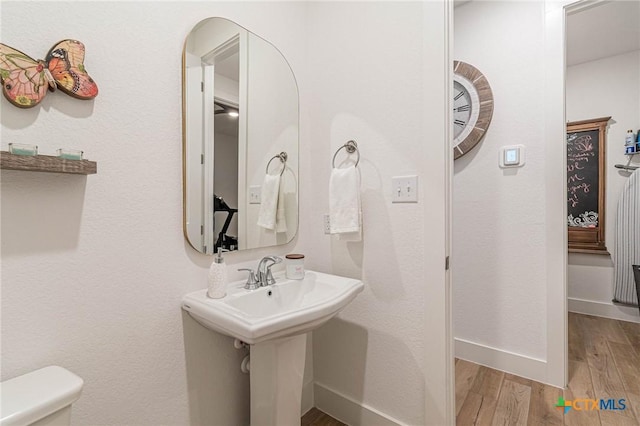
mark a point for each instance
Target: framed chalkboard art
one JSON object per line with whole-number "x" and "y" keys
{"x": 586, "y": 150}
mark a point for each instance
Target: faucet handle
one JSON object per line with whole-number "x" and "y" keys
{"x": 252, "y": 282}
{"x": 269, "y": 280}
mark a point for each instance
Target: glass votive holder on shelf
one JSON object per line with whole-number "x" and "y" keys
{"x": 23, "y": 149}
{"x": 70, "y": 154}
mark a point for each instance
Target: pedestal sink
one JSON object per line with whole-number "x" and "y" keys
{"x": 274, "y": 320}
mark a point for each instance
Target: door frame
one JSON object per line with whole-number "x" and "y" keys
{"x": 556, "y": 206}
{"x": 556, "y": 12}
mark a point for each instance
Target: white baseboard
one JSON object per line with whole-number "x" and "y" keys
{"x": 602, "y": 309}
{"x": 307, "y": 398}
{"x": 349, "y": 411}
{"x": 498, "y": 359}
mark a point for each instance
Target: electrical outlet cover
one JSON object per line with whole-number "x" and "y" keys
{"x": 327, "y": 224}
{"x": 254, "y": 194}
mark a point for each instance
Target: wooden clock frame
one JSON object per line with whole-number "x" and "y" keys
{"x": 485, "y": 105}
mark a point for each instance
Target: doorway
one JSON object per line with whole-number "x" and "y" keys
{"x": 508, "y": 236}
{"x": 509, "y": 250}
{"x": 602, "y": 81}
{"x": 487, "y": 347}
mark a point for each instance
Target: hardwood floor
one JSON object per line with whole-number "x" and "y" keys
{"x": 604, "y": 362}
{"x": 315, "y": 417}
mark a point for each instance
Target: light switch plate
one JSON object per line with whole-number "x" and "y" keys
{"x": 404, "y": 189}
{"x": 254, "y": 194}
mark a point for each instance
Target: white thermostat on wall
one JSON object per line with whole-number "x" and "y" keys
{"x": 512, "y": 156}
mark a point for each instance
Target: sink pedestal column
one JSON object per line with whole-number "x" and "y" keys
{"x": 276, "y": 375}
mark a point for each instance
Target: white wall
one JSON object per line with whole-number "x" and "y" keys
{"x": 226, "y": 88}
{"x": 499, "y": 226}
{"x": 94, "y": 268}
{"x": 614, "y": 84}
{"x": 377, "y": 70}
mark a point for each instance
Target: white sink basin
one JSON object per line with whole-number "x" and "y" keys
{"x": 287, "y": 308}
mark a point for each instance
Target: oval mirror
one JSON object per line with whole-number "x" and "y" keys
{"x": 240, "y": 140}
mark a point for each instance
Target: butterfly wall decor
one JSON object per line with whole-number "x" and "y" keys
{"x": 25, "y": 80}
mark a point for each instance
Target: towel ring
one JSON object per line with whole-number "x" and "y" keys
{"x": 351, "y": 147}
{"x": 283, "y": 158}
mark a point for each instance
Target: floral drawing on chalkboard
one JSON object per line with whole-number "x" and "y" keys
{"x": 585, "y": 220}
{"x": 25, "y": 81}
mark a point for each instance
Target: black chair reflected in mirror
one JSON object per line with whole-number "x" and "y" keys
{"x": 225, "y": 241}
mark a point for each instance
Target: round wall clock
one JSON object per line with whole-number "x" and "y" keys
{"x": 472, "y": 107}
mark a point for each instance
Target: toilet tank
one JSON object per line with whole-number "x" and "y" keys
{"x": 42, "y": 397}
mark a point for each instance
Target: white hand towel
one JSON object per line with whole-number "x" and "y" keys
{"x": 353, "y": 236}
{"x": 269, "y": 201}
{"x": 281, "y": 221}
{"x": 344, "y": 201}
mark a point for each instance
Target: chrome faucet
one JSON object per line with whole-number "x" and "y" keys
{"x": 264, "y": 276}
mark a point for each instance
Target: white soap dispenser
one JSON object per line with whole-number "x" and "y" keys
{"x": 218, "y": 277}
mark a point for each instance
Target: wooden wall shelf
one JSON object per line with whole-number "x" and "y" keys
{"x": 46, "y": 163}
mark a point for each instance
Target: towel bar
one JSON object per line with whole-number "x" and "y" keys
{"x": 283, "y": 158}
{"x": 351, "y": 147}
